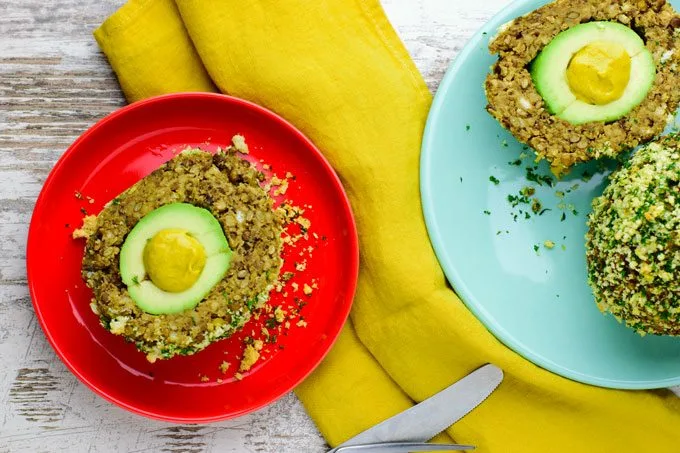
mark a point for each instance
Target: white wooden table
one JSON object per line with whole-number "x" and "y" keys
{"x": 54, "y": 84}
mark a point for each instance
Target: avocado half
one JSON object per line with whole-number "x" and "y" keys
{"x": 200, "y": 224}
{"x": 549, "y": 70}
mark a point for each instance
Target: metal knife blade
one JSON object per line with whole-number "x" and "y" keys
{"x": 433, "y": 415}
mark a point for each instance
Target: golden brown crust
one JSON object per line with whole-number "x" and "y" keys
{"x": 226, "y": 185}
{"x": 515, "y": 103}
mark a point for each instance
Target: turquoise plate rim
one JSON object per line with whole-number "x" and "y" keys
{"x": 450, "y": 269}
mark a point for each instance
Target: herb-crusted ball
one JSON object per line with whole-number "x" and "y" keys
{"x": 633, "y": 242}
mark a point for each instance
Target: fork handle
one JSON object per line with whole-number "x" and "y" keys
{"x": 400, "y": 447}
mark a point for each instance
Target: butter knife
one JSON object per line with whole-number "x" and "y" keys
{"x": 402, "y": 447}
{"x": 433, "y": 415}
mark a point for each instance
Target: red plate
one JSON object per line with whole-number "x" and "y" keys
{"x": 114, "y": 154}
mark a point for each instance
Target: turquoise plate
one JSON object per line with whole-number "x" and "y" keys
{"x": 537, "y": 302}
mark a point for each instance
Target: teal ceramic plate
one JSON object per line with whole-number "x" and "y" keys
{"x": 534, "y": 299}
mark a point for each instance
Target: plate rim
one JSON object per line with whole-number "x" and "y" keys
{"x": 341, "y": 316}
{"x": 437, "y": 241}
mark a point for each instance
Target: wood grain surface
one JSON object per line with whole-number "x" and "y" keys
{"x": 54, "y": 84}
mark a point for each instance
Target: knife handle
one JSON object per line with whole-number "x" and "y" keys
{"x": 399, "y": 447}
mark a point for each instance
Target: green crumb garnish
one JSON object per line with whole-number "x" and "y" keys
{"x": 548, "y": 244}
{"x": 487, "y": 212}
{"x": 539, "y": 179}
{"x": 494, "y": 180}
{"x": 528, "y": 191}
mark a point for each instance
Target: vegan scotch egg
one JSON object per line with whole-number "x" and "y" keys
{"x": 182, "y": 258}
{"x": 581, "y": 79}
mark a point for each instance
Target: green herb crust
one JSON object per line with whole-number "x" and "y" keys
{"x": 633, "y": 242}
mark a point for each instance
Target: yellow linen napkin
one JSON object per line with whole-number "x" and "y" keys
{"x": 337, "y": 70}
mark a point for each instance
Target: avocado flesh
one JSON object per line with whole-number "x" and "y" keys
{"x": 549, "y": 72}
{"x": 202, "y": 225}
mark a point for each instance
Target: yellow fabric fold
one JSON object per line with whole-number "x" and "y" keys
{"x": 337, "y": 70}
{"x": 150, "y": 51}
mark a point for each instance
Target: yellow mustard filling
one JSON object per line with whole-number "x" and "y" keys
{"x": 174, "y": 260}
{"x": 599, "y": 73}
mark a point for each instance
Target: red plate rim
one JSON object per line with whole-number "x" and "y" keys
{"x": 353, "y": 263}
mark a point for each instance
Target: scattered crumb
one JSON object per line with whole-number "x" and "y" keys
{"x": 240, "y": 144}
{"x": 204, "y": 378}
{"x": 78, "y": 195}
{"x": 238, "y": 376}
{"x": 89, "y": 227}
{"x": 90, "y": 200}
{"x": 549, "y": 244}
{"x": 283, "y": 188}
{"x": 303, "y": 222}
{"x": 250, "y": 356}
{"x": 219, "y": 380}
{"x": 279, "y": 314}
{"x": 224, "y": 366}
{"x": 301, "y": 323}
{"x": 295, "y": 286}
{"x": 307, "y": 289}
